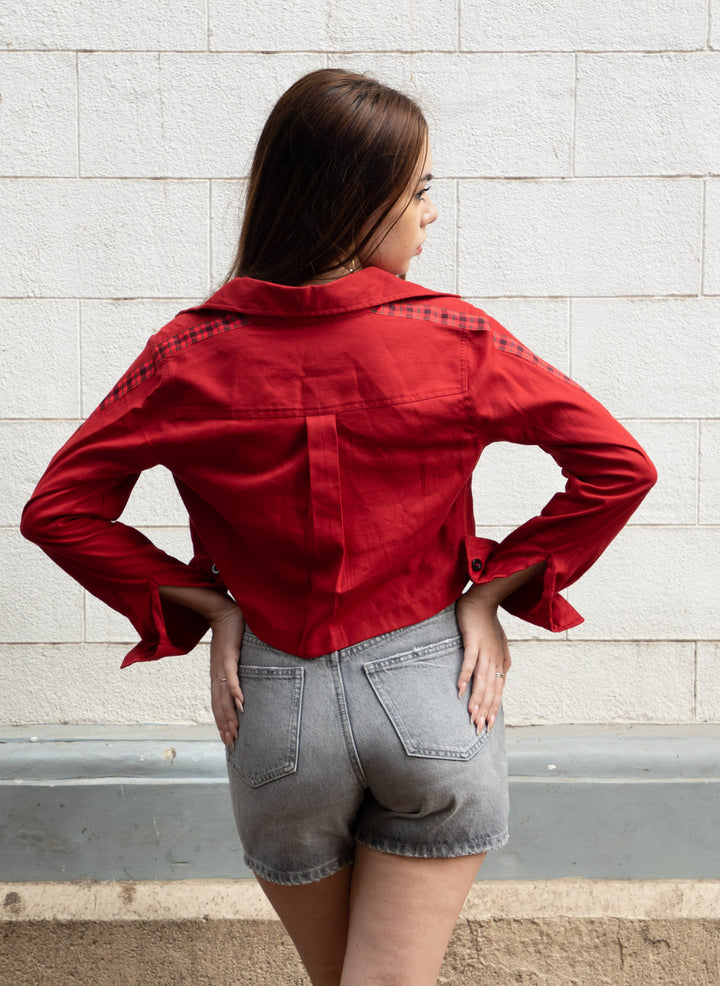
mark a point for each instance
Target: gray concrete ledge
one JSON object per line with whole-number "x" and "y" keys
{"x": 151, "y": 803}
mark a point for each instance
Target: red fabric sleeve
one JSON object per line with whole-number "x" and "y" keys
{"x": 73, "y": 516}
{"x": 519, "y": 398}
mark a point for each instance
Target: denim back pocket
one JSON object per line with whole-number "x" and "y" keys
{"x": 418, "y": 690}
{"x": 268, "y": 738}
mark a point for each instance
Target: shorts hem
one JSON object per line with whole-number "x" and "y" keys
{"x": 435, "y": 851}
{"x": 297, "y": 877}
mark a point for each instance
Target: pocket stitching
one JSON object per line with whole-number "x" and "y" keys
{"x": 373, "y": 671}
{"x": 416, "y": 653}
{"x": 292, "y": 737}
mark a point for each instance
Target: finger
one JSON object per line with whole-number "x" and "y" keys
{"x": 500, "y": 678}
{"x": 495, "y": 704}
{"x": 226, "y": 729}
{"x": 470, "y": 659}
{"x": 469, "y": 672}
{"x": 507, "y": 661}
{"x": 480, "y": 676}
{"x": 224, "y": 711}
{"x": 487, "y": 695}
{"x": 226, "y": 693}
{"x": 233, "y": 684}
{"x": 480, "y": 703}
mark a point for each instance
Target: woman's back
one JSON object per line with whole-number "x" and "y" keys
{"x": 323, "y": 439}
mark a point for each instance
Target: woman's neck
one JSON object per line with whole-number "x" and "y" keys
{"x": 342, "y": 270}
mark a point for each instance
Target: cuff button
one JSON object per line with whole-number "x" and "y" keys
{"x": 476, "y": 564}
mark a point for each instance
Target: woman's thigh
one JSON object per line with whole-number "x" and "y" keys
{"x": 402, "y": 914}
{"x": 315, "y": 915}
{"x": 386, "y": 919}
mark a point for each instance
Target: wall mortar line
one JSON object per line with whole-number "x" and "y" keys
{"x": 456, "y": 282}
{"x": 708, "y": 36}
{"x": 210, "y": 236}
{"x": 80, "y": 402}
{"x": 698, "y": 475}
{"x": 360, "y": 51}
{"x": 703, "y": 238}
{"x": 535, "y": 179}
{"x": 77, "y": 112}
{"x": 576, "y": 66}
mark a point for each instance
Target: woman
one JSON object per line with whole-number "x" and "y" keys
{"x": 322, "y": 418}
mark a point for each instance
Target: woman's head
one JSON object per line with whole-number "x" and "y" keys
{"x": 335, "y": 178}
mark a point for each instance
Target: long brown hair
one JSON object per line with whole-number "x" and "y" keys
{"x": 337, "y": 150}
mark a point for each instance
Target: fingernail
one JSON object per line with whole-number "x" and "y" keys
{"x": 461, "y": 689}
{"x": 491, "y": 723}
{"x": 239, "y": 705}
{"x": 480, "y": 725}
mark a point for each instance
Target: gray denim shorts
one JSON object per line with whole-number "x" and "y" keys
{"x": 368, "y": 744}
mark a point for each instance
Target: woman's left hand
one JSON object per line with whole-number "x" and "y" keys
{"x": 228, "y": 626}
{"x": 486, "y": 658}
{"x": 227, "y": 698}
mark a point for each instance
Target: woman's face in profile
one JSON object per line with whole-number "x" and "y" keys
{"x": 404, "y": 232}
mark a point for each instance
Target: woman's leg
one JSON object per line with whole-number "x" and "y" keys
{"x": 384, "y": 920}
{"x": 402, "y": 914}
{"x": 315, "y": 915}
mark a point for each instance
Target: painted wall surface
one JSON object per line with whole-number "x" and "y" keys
{"x": 578, "y": 151}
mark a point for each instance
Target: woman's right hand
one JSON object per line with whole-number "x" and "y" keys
{"x": 486, "y": 657}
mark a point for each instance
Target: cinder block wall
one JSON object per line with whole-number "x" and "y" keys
{"x": 579, "y": 192}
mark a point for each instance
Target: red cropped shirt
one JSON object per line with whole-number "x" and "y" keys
{"x": 323, "y": 440}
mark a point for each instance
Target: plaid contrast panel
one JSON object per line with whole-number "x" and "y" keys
{"x": 430, "y": 313}
{"x": 506, "y": 345}
{"x": 188, "y": 337}
{"x": 466, "y": 320}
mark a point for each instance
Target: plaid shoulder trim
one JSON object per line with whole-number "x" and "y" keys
{"x": 430, "y": 313}
{"x": 515, "y": 348}
{"x": 465, "y": 320}
{"x": 188, "y": 337}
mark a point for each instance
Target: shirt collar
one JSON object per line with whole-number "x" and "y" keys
{"x": 362, "y": 289}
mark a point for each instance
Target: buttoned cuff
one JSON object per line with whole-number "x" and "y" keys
{"x": 538, "y": 601}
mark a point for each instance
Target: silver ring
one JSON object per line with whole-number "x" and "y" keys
{"x": 499, "y": 674}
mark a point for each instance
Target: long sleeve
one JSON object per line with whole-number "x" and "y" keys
{"x": 73, "y": 516}
{"x": 519, "y": 398}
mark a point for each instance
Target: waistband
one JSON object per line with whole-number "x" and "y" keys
{"x": 432, "y": 630}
